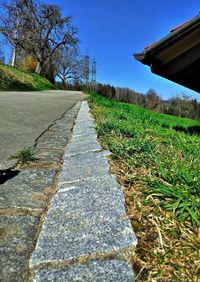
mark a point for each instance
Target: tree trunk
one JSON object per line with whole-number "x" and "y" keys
{"x": 38, "y": 68}
{"x": 64, "y": 84}
{"x": 13, "y": 59}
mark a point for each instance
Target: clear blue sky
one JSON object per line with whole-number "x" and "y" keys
{"x": 112, "y": 30}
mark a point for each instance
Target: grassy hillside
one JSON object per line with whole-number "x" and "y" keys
{"x": 14, "y": 79}
{"x": 156, "y": 158}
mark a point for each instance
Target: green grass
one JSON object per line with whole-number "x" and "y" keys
{"x": 14, "y": 79}
{"x": 143, "y": 138}
{"x": 159, "y": 169}
{"x": 24, "y": 156}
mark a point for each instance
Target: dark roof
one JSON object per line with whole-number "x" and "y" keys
{"x": 177, "y": 55}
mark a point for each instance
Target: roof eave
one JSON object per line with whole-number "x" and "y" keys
{"x": 174, "y": 35}
{"x": 140, "y": 57}
{"x": 145, "y": 56}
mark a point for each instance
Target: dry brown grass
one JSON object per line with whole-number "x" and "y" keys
{"x": 167, "y": 250}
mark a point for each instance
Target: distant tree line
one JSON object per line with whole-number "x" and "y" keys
{"x": 180, "y": 105}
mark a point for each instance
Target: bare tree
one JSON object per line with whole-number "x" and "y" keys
{"x": 152, "y": 100}
{"x": 37, "y": 28}
{"x": 2, "y": 57}
{"x": 51, "y": 31}
{"x": 12, "y": 23}
{"x": 68, "y": 64}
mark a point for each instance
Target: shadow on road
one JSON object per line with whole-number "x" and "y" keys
{"x": 7, "y": 174}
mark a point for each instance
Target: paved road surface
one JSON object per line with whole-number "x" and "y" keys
{"x": 25, "y": 115}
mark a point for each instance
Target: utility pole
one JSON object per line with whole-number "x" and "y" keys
{"x": 86, "y": 69}
{"x": 94, "y": 73}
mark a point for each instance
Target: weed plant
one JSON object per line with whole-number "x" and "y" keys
{"x": 24, "y": 156}
{"x": 159, "y": 168}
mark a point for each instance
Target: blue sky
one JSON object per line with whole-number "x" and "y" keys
{"x": 112, "y": 30}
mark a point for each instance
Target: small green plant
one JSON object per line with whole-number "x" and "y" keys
{"x": 25, "y": 155}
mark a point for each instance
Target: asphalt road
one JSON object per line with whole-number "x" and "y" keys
{"x": 25, "y": 115}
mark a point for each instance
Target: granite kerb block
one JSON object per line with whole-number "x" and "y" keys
{"x": 62, "y": 239}
{"x": 89, "y": 165}
{"x": 91, "y": 199}
{"x": 94, "y": 271}
{"x": 83, "y": 146}
{"x": 16, "y": 238}
{"x": 27, "y": 190}
{"x": 87, "y": 218}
